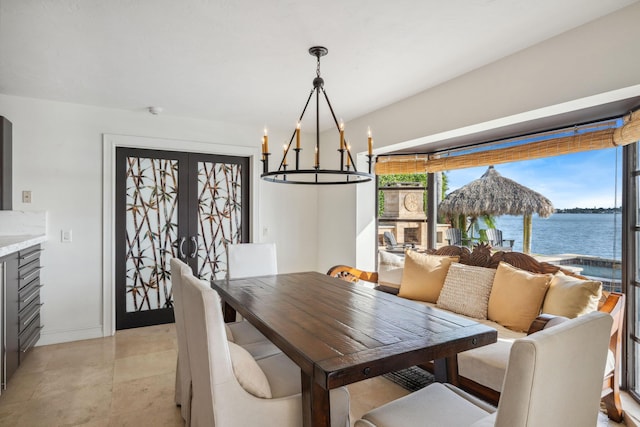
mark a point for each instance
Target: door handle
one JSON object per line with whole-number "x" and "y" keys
{"x": 194, "y": 244}
{"x": 181, "y": 254}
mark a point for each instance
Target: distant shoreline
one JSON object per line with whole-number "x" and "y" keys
{"x": 590, "y": 210}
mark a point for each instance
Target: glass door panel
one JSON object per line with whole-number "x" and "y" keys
{"x": 151, "y": 231}
{"x": 220, "y": 214}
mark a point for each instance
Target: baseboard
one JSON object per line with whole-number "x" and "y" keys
{"x": 57, "y": 337}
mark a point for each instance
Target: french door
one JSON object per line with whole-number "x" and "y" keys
{"x": 173, "y": 204}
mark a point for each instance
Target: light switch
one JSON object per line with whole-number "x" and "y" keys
{"x": 66, "y": 236}
{"x": 26, "y": 196}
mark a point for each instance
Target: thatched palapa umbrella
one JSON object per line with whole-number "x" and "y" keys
{"x": 496, "y": 195}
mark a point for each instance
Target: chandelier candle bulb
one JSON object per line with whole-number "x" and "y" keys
{"x": 317, "y": 163}
{"x": 298, "y": 135}
{"x": 348, "y": 156}
{"x": 369, "y": 141}
{"x": 266, "y": 141}
{"x": 284, "y": 157}
{"x": 341, "y": 135}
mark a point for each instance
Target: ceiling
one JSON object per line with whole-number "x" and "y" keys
{"x": 246, "y": 61}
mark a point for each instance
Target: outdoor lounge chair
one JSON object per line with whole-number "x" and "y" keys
{"x": 497, "y": 242}
{"x": 453, "y": 236}
{"x": 392, "y": 244}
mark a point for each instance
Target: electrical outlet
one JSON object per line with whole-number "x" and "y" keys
{"x": 26, "y": 196}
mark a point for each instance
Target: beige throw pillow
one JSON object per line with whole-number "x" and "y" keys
{"x": 516, "y": 297}
{"x": 387, "y": 261}
{"x": 571, "y": 297}
{"x": 248, "y": 373}
{"x": 466, "y": 290}
{"x": 424, "y": 275}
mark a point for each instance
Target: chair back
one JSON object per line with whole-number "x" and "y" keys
{"x": 454, "y": 236}
{"x": 218, "y": 398}
{"x": 494, "y": 236}
{"x": 183, "y": 375}
{"x": 251, "y": 259}
{"x": 554, "y": 377}
{"x": 208, "y": 348}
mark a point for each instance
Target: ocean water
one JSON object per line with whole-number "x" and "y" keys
{"x": 579, "y": 233}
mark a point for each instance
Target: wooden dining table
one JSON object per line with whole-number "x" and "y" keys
{"x": 339, "y": 333}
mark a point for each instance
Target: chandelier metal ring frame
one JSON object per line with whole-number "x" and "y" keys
{"x": 346, "y": 174}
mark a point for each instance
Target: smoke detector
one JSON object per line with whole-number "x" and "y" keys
{"x": 155, "y": 110}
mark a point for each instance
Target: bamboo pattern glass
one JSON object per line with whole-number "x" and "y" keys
{"x": 219, "y": 216}
{"x": 151, "y": 231}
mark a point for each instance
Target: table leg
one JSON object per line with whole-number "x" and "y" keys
{"x": 445, "y": 369}
{"x": 229, "y": 313}
{"x": 316, "y": 409}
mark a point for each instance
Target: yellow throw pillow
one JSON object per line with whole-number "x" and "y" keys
{"x": 516, "y": 297}
{"x": 424, "y": 275}
{"x": 571, "y": 297}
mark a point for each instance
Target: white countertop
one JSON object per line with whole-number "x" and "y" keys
{"x": 11, "y": 244}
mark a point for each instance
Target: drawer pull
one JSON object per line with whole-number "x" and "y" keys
{"x": 33, "y": 315}
{"x": 34, "y": 272}
{"x": 31, "y": 254}
{"x": 33, "y": 294}
{"x": 32, "y": 341}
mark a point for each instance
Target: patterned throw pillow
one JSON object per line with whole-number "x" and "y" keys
{"x": 466, "y": 290}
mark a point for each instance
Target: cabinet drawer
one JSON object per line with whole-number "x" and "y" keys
{"x": 28, "y": 273}
{"x": 28, "y": 255}
{"x": 30, "y": 335}
{"x": 28, "y": 315}
{"x": 28, "y": 293}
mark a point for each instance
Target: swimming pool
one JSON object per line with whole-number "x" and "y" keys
{"x": 608, "y": 271}
{"x": 598, "y": 271}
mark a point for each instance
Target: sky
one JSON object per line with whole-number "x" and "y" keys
{"x": 582, "y": 180}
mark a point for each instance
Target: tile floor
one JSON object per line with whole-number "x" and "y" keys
{"x": 124, "y": 380}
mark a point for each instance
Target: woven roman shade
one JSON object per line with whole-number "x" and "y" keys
{"x": 583, "y": 140}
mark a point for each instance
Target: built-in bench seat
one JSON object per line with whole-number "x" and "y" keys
{"x": 481, "y": 371}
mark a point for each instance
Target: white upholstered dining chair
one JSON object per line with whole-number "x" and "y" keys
{"x": 243, "y": 333}
{"x": 233, "y": 389}
{"x": 183, "y": 373}
{"x": 553, "y": 378}
{"x": 251, "y": 260}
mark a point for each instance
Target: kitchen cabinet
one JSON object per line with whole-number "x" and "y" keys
{"x": 20, "y": 307}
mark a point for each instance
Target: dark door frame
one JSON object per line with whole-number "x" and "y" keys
{"x": 187, "y": 217}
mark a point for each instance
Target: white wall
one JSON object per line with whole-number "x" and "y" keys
{"x": 58, "y": 155}
{"x": 598, "y": 58}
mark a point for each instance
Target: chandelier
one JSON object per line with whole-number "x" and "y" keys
{"x": 346, "y": 173}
